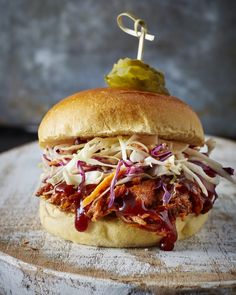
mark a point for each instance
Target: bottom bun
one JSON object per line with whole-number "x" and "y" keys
{"x": 110, "y": 232}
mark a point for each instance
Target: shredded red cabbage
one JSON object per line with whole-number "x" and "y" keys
{"x": 159, "y": 183}
{"x": 229, "y": 170}
{"x": 209, "y": 171}
{"x": 156, "y": 149}
{"x": 165, "y": 156}
{"x": 208, "y": 185}
{"x": 128, "y": 163}
{"x": 80, "y": 165}
{"x": 167, "y": 195}
{"x": 133, "y": 170}
{"x": 46, "y": 158}
{"x": 113, "y": 183}
{"x": 160, "y": 152}
{"x": 79, "y": 141}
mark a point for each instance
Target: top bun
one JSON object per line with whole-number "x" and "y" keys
{"x": 114, "y": 111}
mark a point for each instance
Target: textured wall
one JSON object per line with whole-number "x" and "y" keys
{"x": 50, "y": 49}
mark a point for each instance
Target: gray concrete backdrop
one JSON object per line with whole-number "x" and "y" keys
{"x": 50, "y": 49}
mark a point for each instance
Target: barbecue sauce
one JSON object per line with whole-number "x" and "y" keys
{"x": 161, "y": 220}
{"x": 81, "y": 220}
{"x": 65, "y": 188}
{"x": 167, "y": 243}
{"x": 132, "y": 207}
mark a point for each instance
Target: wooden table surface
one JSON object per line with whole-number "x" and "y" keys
{"x": 35, "y": 262}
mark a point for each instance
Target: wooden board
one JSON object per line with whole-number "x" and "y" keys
{"x": 34, "y": 262}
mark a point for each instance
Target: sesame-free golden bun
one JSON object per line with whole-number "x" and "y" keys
{"x": 110, "y": 231}
{"x": 108, "y": 112}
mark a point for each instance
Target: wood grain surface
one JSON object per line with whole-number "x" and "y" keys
{"x": 35, "y": 262}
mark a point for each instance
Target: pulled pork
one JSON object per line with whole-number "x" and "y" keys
{"x": 186, "y": 198}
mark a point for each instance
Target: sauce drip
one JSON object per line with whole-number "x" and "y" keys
{"x": 81, "y": 220}
{"x": 167, "y": 243}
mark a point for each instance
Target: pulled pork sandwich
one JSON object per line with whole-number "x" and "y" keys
{"x": 124, "y": 168}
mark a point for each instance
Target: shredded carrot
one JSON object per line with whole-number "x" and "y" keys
{"x": 100, "y": 188}
{"x": 53, "y": 163}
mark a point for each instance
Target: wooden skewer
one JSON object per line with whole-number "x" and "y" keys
{"x": 142, "y": 34}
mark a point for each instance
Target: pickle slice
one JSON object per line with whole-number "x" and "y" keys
{"x": 134, "y": 74}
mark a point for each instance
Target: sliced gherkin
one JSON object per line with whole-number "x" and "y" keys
{"x": 134, "y": 74}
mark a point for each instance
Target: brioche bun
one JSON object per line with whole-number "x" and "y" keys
{"x": 110, "y": 232}
{"x": 113, "y": 111}
{"x": 108, "y": 112}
